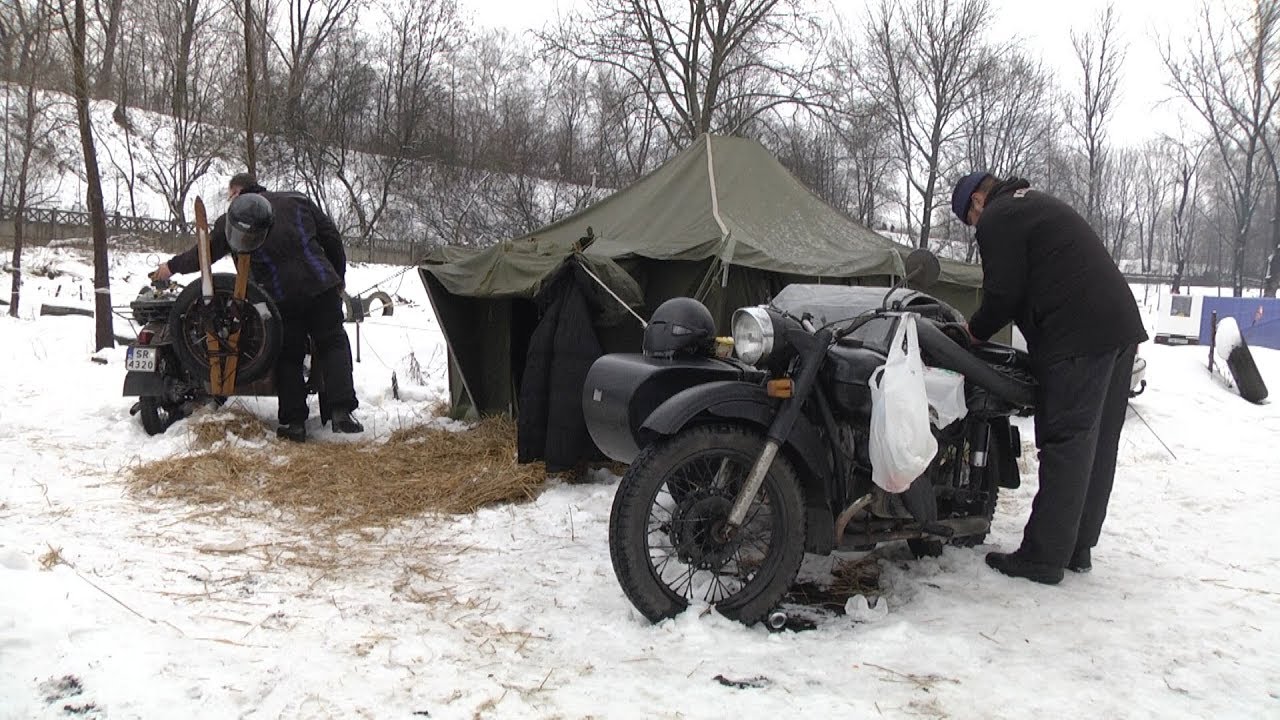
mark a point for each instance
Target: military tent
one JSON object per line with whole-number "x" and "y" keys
{"x": 722, "y": 221}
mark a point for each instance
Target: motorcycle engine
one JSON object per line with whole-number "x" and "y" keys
{"x": 948, "y": 468}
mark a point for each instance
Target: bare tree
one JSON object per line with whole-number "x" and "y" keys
{"x": 405, "y": 95}
{"x": 1010, "y": 117}
{"x": 627, "y": 128}
{"x": 702, "y": 66}
{"x": 75, "y": 28}
{"x": 187, "y": 144}
{"x": 110, "y": 20}
{"x": 1231, "y": 78}
{"x": 312, "y": 25}
{"x": 250, "y": 89}
{"x": 1271, "y": 280}
{"x": 1117, "y": 215}
{"x": 1183, "y": 216}
{"x": 1153, "y": 191}
{"x": 1100, "y": 53}
{"x": 27, "y": 122}
{"x": 866, "y": 138}
{"x": 924, "y": 59}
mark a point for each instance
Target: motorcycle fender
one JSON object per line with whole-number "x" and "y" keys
{"x": 143, "y": 384}
{"x": 733, "y": 400}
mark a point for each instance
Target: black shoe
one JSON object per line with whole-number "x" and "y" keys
{"x": 294, "y": 431}
{"x": 1079, "y": 561}
{"x": 1015, "y": 565}
{"x": 344, "y": 423}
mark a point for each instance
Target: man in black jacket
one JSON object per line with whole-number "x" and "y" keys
{"x": 1045, "y": 268}
{"x": 302, "y": 265}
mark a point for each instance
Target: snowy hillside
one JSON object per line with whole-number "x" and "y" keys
{"x": 162, "y": 609}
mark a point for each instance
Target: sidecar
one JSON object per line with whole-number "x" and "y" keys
{"x": 622, "y": 391}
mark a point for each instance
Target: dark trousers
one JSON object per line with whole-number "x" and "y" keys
{"x": 1080, "y": 410}
{"x": 318, "y": 319}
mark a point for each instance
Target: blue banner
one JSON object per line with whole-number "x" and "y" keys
{"x": 1258, "y": 318}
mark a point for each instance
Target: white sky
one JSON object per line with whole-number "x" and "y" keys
{"x": 1044, "y": 27}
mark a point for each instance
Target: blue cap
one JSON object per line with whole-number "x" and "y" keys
{"x": 962, "y": 196}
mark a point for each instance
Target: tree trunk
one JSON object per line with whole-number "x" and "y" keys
{"x": 1237, "y": 262}
{"x": 250, "y": 155}
{"x": 102, "y": 87}
{"x": 183, "y": 61}
{"x": 1273, "y": 267}
{"x": 19, "y": 221}
{"x": 16, "y": 291}
{"x": 105, "y": 337}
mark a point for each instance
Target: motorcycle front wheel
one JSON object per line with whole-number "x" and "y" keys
{"x": 665, "y": 530}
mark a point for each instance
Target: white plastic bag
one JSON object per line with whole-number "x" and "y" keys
{"x": 901, "y": 444}
{"x": 945, "y": 391}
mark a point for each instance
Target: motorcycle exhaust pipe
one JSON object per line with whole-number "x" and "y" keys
{"x": 776, "y": 621}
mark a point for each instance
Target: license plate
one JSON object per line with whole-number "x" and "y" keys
{"x": 140, "y": 359}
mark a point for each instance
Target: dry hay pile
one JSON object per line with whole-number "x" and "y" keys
{"x": 344, "y": 485}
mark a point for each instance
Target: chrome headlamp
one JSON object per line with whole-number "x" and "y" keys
{"x": 752, "y": 334}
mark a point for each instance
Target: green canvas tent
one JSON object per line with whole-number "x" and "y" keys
{"x": 722, "y": 221}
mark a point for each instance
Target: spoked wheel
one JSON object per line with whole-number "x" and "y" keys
{"x": 158, "y": 414}
{"x": 256, "y": 318}
{"x": 667, "y": 531}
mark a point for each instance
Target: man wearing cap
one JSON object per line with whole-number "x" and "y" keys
{"x": 1045, "y": 269}
{"x": 302, "y": 266}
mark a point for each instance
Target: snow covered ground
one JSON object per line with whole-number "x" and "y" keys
{"x": 161, "y": 610}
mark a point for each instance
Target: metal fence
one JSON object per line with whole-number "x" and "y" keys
{"x": 45, "y": 225}
{"x": 73, "y": 218}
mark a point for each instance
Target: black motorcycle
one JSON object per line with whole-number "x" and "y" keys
{"x": 167, "y": 367}
{"x": 738, "y": 466}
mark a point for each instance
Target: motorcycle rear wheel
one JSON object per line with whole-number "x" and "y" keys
{"x": 673, "y": 498}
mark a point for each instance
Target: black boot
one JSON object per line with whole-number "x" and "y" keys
{"x": 344, "y": 423}
{"x": 1015, "y": 565}
{"x": 294, "y": 431}
{"x": 1080, "y": 561}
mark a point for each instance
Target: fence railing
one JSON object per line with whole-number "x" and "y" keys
{"x": 115, "y": 221}
{"x": 172, "y": 236}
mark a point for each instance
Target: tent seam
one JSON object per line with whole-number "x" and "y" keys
{"x": 726, "y": 238}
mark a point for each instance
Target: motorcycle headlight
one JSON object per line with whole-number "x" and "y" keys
{"x": 752, "y": 334}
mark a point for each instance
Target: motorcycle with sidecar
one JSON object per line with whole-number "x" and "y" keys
{"x": 167, "y": 365}
{"x": 740, "y": 465}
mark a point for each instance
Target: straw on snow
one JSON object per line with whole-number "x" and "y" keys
{"x": 345, "y": 485}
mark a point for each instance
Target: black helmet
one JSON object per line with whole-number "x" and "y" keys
{"x": 680, "y": 326}
{"x": 248, "y": 220}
